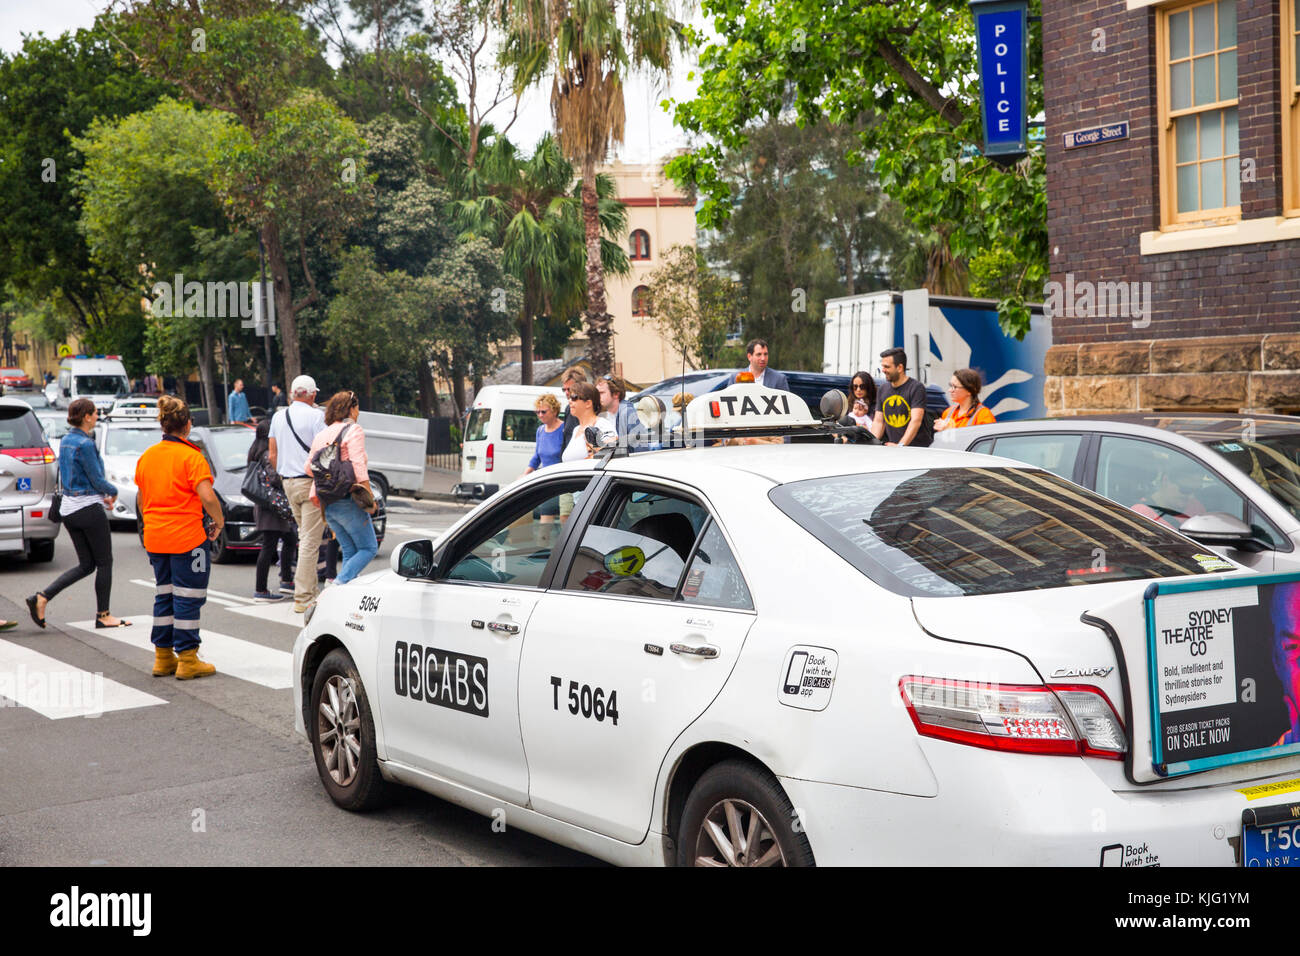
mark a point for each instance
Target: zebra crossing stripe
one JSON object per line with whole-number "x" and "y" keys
{"x": 57, "y": 690}
{"x": 216, "y": 597}
{"x": 233, "y": 656}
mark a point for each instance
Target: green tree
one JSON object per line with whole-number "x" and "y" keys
{"x": 692, "y": 306}
{"x": 588, "y": 49}
{"x": 148, "y": 213}
{"x": 530, "y": 209}
{"x": 290, "y": 168}
{"x": 51, "y": 89}
{"x": 908, "y": 62}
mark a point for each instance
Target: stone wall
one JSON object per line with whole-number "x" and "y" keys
{"x": 1234, "y": 373}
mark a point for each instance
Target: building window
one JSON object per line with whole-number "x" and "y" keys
{"x": 641, "y": 300}
{"x": 639, "y": 245}
{"x": 1291, "y": 105}
{"x": 1200, "y": 162}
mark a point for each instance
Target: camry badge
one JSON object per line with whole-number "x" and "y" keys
{"x": 1082, "y": 672}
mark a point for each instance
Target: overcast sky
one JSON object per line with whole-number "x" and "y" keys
{"x": 650, "y": 132}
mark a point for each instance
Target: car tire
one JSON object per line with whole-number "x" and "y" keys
{"x": 221, "y": 553}
{"x": 40, "y": 550}
{"x": 718, "y": 821}
{"x": 342, "y": 732}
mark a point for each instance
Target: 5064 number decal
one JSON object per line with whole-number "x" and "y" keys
{"x": 586, "y": 700}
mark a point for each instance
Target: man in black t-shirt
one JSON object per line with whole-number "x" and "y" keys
{"x": 900, "y": 414}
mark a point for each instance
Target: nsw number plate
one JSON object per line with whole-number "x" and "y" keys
{"x": 1268, "y": 843}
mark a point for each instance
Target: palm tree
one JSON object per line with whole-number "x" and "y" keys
{"x": 588, "y": 47}
{"x": 528, "y": 207}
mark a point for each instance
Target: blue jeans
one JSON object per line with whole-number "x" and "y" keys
{"x": 356, "y": 537}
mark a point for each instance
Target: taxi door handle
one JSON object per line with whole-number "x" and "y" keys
{"x": 707, "y": 651}
{"x": 500, "y": 628}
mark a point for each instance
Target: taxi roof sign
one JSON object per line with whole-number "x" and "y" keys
{"x": 748, "y": 405}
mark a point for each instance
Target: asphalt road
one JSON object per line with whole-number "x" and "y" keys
{"x": 205, "y": 772}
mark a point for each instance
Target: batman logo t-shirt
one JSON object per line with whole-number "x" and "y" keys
{"x": 896, "y": 406}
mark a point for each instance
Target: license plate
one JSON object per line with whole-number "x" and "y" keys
{"x": 1271, "y": 836}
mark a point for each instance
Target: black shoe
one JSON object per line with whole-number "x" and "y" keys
{"x": 31, "y": 609}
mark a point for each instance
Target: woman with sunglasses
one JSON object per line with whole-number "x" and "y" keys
{"x": 550, "y": 434}
{"x": 349, "y": 516}
{"x": 864, "y": 399}
{"x": 584, "y": 402}
{"x": 964, "y": 391}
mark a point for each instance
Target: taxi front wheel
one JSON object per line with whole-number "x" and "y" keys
{"x": 343, "y": 736}
{"x": 738, "y": 815}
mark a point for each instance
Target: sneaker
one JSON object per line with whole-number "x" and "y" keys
{"x": 267, "y": 596}
{"x": 287, "y": 588}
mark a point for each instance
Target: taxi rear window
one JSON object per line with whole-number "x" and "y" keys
{"x": 967, "y": 531}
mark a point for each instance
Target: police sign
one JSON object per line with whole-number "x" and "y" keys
{"x": 1002, "y": 37}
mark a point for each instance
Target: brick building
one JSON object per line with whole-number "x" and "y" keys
{"x": 1174, "y": 263}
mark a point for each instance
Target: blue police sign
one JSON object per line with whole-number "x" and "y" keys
{"x": 1002, "y": 38}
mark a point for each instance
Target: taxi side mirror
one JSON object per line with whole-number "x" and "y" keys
{"x": 414, "y": 559}
{"x": 1221, "y": 529}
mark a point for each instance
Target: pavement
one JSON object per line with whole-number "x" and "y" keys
{"x": 438, "y": 483}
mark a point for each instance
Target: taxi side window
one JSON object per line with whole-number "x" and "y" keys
{"x": 637, "y": 545}
{"x": 713, "y": 578}
{"x": 515, "y": 547}
{"x": 1054, "y": 453}
{"x": 1160, "y": 482}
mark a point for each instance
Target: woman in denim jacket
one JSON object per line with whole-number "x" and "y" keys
{"x": 86, "y": 492}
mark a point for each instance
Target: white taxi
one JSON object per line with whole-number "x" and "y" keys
{"x": 800, "y": 653}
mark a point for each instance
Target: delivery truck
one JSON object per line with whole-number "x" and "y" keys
{"x": 941, "y": 334}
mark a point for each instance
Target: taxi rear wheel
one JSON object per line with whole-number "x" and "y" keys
{"x": 343, "y": 735}
{"x": 738, "y": 815}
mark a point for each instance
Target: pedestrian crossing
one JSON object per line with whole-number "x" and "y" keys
{"x": 233, "y": 656}
{"x": 57, "y": 690}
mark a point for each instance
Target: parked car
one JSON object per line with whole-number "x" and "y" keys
{"x": 14, "y": 378}
{"x": 28, "y": 477}
{"x": 696, "y": 382}
{"x": 500, "y": 437}
{"x": 1231, "y": 482}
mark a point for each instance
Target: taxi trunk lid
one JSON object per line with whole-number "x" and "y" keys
{"x": 1093, "y": 636}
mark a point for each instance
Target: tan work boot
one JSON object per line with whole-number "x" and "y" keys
{"x": 189, "y": 666}
{"x": 164, "y": 662}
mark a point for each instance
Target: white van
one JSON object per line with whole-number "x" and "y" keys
{"x": 500, "y": 437}
{"x": 100, "y": 378}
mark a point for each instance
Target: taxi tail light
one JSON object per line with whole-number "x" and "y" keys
{"x": 490, "y": 457}
{"x": 32, "y": 456}
{"x": 1059, "y": 720}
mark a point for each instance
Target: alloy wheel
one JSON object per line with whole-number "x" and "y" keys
{"x": 734, "y": 833}
{"x": 338, "y": 730}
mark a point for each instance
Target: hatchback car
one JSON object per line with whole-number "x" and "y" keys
{"x": 28, "y": 478}
{"x": 1229, "y": 481}
{"x": 783, "y": 654}
{"x": 15, "y": 378}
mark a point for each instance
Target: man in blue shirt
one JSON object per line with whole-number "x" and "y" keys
{"x": 237, "y": 404}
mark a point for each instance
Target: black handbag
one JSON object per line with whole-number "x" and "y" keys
{"x": 262, "y": 486}
{"x": 56, "y": 500}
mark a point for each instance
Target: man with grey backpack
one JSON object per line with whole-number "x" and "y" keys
{"x": 337, "y": 462}
{"x": 292, "y": 431}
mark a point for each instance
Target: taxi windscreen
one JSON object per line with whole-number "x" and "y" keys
{"x": 968, "y": 531}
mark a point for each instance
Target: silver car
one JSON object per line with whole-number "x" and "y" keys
{"x": 28, "y": 477}
{"x": 1231, "y": 482}
{"x": 121, "y": 442}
